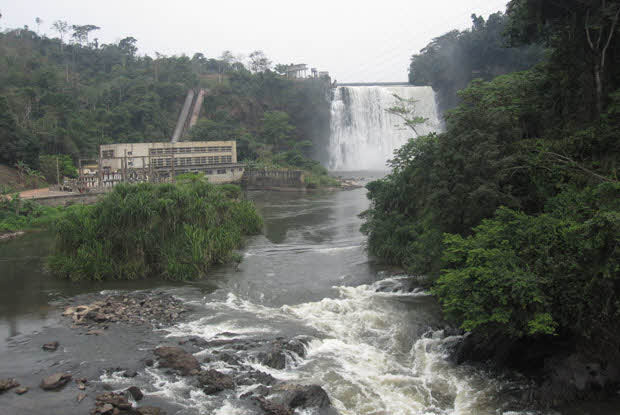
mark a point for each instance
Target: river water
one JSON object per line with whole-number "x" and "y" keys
{"x": 375, "y": 339}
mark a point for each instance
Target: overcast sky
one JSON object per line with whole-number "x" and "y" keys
{"x": 355, "y": 41}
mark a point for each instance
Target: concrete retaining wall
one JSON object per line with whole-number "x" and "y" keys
{"x": 269, "y": 179}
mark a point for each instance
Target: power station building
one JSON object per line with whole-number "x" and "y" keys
{"x": 159, "y": 162}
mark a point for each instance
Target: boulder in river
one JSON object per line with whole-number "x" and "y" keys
{"x": 135, "y": 392}
{"x": 174, "y": 357}
{"x": 213, "y": 381}
{"x": 275, "y": 356}
{"x": 55, "y": 381}
{"x": 301, "y": 396}
{"x": 111, "y": 403}
{"x": 6, "y": 384}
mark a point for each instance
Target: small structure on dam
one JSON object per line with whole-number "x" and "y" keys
{"x": 160, "y": 162}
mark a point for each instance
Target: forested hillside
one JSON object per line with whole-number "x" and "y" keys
{"x": 67, "y": 97}
{"x": 515, "y": 208}
{"x": 454, "y": 59}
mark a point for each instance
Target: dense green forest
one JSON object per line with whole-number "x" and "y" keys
{"x": 451, "y": 61}
{"x": 515, "y": 208}
{"x": 67, "y": 97}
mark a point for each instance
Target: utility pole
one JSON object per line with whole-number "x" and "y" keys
{"x": 57, "y": 172}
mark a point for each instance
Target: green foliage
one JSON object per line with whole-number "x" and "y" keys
{"x": 147, "y": 230}
{"x": 515, "y": 208}
{"x": 59, "y": 98}
{"x": 21, "y": 214}
{"x": 52, "y": 165}
{"x": 526, "y": 275}
{"x": 454, "y": 59}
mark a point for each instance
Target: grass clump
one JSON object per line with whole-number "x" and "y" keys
{"x": 170, "y": 231}
{"x": 18, "y": 214}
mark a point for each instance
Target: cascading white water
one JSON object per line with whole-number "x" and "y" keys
{"x": 364, "y": 135}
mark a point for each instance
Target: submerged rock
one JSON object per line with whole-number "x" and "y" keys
{"x": 213, "y": 381}
{"x": 50, "y": 347}
{"x": 178, "y": 359}
{"x": 55, "y": 381}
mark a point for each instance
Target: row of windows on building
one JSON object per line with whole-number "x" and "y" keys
{"x": 185, "y": 150}
{"x": 106, "y": 154}
{"x": 189, "y": 161}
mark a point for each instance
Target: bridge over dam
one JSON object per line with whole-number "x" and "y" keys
{"x": 372, "y": 84}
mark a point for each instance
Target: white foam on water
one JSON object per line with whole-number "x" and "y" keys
{"x": 365, "y": 354}
{"x": 364, "y": 135}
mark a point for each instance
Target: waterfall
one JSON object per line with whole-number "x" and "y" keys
{"x": 363, "y": 135}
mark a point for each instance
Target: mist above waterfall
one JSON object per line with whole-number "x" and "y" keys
{"x": 363, "y": 135}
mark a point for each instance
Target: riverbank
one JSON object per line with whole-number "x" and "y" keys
{"x": 98, "y": 355}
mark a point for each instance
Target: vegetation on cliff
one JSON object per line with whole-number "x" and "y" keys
{"x": 170, "y": 231}
{"x": 515, "y": 207}
{"x": 453, "y": 60}
{"x": 67, "y": 98}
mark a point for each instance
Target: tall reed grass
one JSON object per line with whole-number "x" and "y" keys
{"x": 171, "y": 231}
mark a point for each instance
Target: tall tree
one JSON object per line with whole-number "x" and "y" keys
{"x": 259, "y": 61}
{"x": 62, "y": 27}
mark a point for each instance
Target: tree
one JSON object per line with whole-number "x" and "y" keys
{"x": 259, "y": 62}
{"x": 405, "y": 110}
{"x": 276, "y": 129}
{"x": 128, "y": 46}
{"x": 81, "y": 32}
{"x": 38, "y": 21}
{"x": 62, "y": 27}
{"x": 606, "y": 28}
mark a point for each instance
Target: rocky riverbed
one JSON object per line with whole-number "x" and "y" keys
{"x": 94, "y": 360}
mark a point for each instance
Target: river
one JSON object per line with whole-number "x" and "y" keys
{"x": 375, "y": 339}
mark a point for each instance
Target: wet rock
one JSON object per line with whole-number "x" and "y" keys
{"x": 55, "y": 381}
{"x": 130, "y": 373}
{"x": 256, "y": 376}
{"x": 213, "y": 381}
{"x": 95, "y": 333}
{"x": 50, "y": 347}
{"x": 150, "y": 410}
{"x": 178, "y": 359}
{"x": 148, "y": 362}
{"x": 21, "y": 391}
{"x": 272, "y": 408}
{"x": 135, "y": 392}
{"x": 6, "y": 384}
{"x": 112, "y": 403}
{"x": 275, "y": 357}
{"x": 134, "y": 308}
{"x": 301, "y": 396}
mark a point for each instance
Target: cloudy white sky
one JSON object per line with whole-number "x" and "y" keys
{"x": 356, "y": 41}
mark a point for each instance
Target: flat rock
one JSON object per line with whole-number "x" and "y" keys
{"x": 178, "y": 359}
{"x": 55, "y": 381}
{"x": 21, "y": 391}
{"x": 150, "y": 410}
